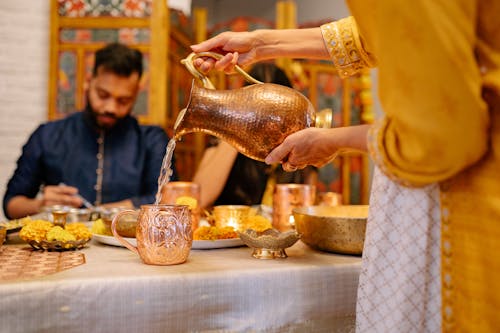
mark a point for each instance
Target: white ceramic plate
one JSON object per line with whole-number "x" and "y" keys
{"x": 216, "y": 244}
{"x": 197, "y": 244}
{"x": 111, "y": 240}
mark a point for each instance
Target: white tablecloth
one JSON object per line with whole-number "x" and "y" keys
{"x": 224, "y": 290}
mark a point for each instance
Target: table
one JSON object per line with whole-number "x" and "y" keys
{"x": 223, "y": 290}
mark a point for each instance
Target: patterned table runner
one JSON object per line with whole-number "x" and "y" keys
{"x": 24, "y": 262}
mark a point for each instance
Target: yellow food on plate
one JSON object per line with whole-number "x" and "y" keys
{"x": 188, "y": 201}
{"x": 42, "y": 230}
{"x": 59, "y": 234}
{"x": 35, "y": 230}
{"x": 256, "y": 222}
{"x": 101, "y": 228}
{"x": 79, "y": 230}
{"x": 214, "y": 233}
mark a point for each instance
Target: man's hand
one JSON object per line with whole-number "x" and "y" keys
{"x": 61, "y": 195}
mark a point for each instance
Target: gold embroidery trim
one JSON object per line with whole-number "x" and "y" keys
{"x": 345, "y": 47}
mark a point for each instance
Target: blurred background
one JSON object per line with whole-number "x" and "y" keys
{"x": 47, "y": 51}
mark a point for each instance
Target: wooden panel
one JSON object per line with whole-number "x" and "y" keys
{"x": 82, "y": 31}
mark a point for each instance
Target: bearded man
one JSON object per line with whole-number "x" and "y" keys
{"x": 100, "y": 154}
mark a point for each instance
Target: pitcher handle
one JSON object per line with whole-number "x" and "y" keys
{"x": 115, "y": 233}
{"x": 188, "y": 62}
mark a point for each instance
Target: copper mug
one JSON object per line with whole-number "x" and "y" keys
{"x": 286, "y": 197}
{"x": 164, "y": 234}
{"x": 329, "y": 199}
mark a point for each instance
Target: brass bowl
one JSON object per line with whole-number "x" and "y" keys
{"x": 269, "y": 244}
{"x": 126, "y": 226}
{"x": 338, "y": 229}
{"x": 79, "y": 215}
{"x": 58, "y": 245}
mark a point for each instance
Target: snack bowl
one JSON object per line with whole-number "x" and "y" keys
{"x": 269, "y": 244}
{"x": 337, "y": 229}
{"x": 58, "y": 245}
{"x": 79, "y": 215}
{"x": 57, "y": 235}
{"x": 126, "y": 226}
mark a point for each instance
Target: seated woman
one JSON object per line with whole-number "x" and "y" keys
{"x": 230, "y": 178}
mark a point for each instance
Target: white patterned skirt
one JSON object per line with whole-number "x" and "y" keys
{"x": 400, "y": 283}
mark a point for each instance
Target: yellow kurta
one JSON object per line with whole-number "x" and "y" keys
{"x": 439, "y": 83}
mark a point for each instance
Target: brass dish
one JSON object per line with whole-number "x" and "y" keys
{"x": 12, "y": 225}
{"x": 126, "y": 226}
{"x": 338, "y": 229}
{"x": 58, "y": 245}
{"x": 269, "y": 244}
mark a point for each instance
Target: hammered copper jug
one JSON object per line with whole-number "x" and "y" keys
{"x": 254, "y": 119}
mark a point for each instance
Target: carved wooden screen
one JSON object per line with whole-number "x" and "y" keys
{"x": 79, "y": 27}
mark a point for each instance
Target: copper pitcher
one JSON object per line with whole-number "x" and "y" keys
{"x": 254, "y": 119}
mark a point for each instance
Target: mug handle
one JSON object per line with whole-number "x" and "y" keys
{"x": 115, "y": 233}
{"x": 188, "y": 62}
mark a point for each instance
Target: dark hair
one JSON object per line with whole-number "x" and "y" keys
{"x": 270, "y": 73}
{"x": 119, "y": 59}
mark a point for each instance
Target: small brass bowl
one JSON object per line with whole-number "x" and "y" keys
{"x": 126, "y": 226}
{"x": 269, "y": 244}
{"x": 79, "y": 215}
{"x": 338, "y": 229}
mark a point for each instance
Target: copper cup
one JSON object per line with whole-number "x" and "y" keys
{"x": 173, "y": 191}
{"x": 329, "y": 199}
{"x": 164, "y": 234}
{"x": 286, "y": 197}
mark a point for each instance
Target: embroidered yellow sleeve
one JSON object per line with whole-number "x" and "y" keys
{"x": 346, "y": 47}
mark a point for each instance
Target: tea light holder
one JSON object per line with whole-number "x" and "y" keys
{"x": 231, "y": 215}
{"x": 59, "y": 217}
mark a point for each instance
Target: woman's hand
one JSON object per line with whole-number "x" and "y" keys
{"x": 317, "y": 146}
{"x": 236, "y": 47}
{"x": 246, "y": 48}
